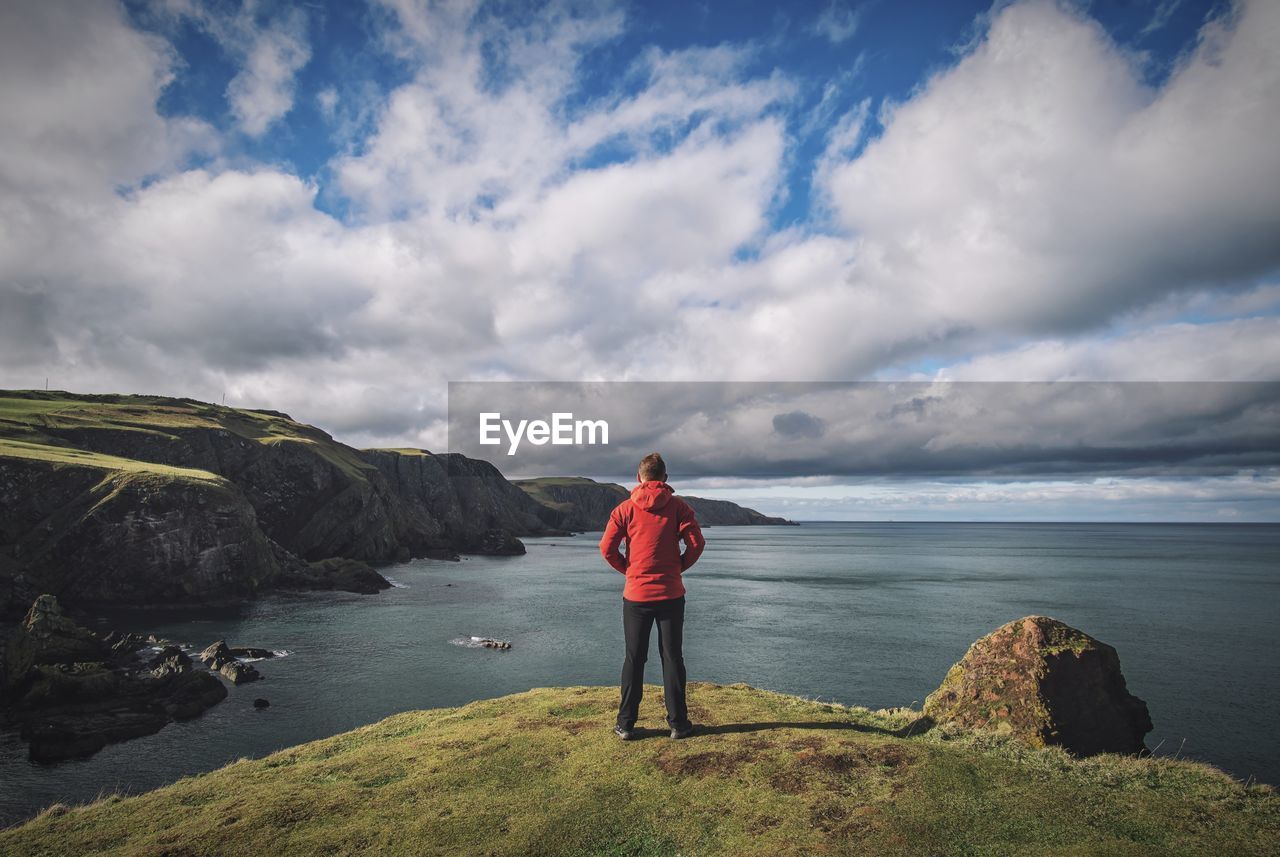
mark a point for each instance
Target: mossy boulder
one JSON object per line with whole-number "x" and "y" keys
{"x": 1047, "y": 684}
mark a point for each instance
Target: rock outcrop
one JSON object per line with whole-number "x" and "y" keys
{"x": 452, "y": 503}
{"x": 221, "y": 658}
{"x": 1045, "y": 683}
{"x": 336, "y": 573}
{"x": 94, "y": 534}
{"x": 69, "y": 692}
{"x": 583, "y": 505}
{"x": 722, "y": 513}
{"x": 48, "y": 636}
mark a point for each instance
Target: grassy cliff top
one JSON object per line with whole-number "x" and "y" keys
{"x": 538, "y": 488}
{"x": 560, "y": 480}
{"x": 540, "y": 772}
{"x": 44, "y": 425}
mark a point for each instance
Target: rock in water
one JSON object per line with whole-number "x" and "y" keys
{"x": 216, "y": 655}
{"x": 219, "y": 657}
{"x": 124, "y": 644}
{"x": 74, "y": 693}
{"x": 170, "y": 656}
{"x": 49, "y": 636}
{"x": 348, "y": 575}
{"x": 252, "y": 652}
{"x": 499, "y": 542}
{"x": 239, "y": 673}
{"x": 1047, "y": 683}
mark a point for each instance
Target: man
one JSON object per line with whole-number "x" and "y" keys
{"x": 653, "y": 521}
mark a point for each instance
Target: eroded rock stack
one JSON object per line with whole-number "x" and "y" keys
{"x": 47, "y": 636}
{"x": 1045, "y": 683}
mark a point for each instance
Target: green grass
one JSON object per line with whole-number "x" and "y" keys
{"x": 538, "y": 489}
{"x": 32, "y": 423}
{"x": 69, "y": 456}
{"x": 541, "y": 773}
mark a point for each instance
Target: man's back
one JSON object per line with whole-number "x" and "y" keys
{"x": 652, "y": 521}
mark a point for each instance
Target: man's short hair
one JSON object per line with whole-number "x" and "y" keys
{"x": 653, "y": 468}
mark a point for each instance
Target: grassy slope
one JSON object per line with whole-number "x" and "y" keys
{"x": 536, "y": 488}
{"x": 27, "y": 418}
{"x": 541, "y": 773}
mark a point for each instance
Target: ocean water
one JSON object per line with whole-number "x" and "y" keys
{"x": 866, "y": 614}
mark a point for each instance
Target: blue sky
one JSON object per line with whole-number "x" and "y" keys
{"x": 335, "y": 209}
{"x": 839, "y": 53}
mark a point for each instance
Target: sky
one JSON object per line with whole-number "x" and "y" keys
{"x": 336, "y": 209}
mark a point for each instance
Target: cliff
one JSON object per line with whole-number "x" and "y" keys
{"x": 584, "y": 504}
{"x": 456, "y": 501}
{"x": 141, "y": 499}
{"x": 541, "y": 773}
{"x": 722, "y": 513}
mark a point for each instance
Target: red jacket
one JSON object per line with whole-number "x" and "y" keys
{"x": 653, "y": 521}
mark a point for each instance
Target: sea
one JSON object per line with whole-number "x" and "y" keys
{"x": 869, "y": 614}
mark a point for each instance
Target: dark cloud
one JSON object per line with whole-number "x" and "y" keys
{"x": 891, "y": 429}
{"x": 798, "y": 424}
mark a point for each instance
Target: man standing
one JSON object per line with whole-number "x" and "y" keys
{"x": 653, "y": 521}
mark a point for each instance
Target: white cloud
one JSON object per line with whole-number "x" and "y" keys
{"x": 269, "y": 48}
{"x": 79, "y": 87}
{"x": 456, "y": 143}
{"x": 1246, "y": 496}
{"x": 837, "y": 23}
{"x": 1039, "y": 186}
{"x": 327, "y": 101}
{"x": 1160, "y": 16}
{"x": 1246, "y": 349}
{"x": 262, "y": 91}
{"x": 1035, "y": 190}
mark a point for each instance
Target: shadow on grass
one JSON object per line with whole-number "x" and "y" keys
{"x": 915, "y": 727}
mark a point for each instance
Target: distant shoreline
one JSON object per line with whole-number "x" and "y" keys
{"x": 1095, "y": 523}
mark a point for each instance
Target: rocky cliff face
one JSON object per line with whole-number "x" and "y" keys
{"x": 120, "y": 536}
{"x": 584, "y": 504}
{"x": 314, "y": 496}
{"x": 722, "y": 513}
{"x": 451, "y": 502}
{"x": 147, "y": 499}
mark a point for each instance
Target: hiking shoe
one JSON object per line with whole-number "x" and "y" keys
{"x": 682, "y": 733}
{"x": 624, "y": 734}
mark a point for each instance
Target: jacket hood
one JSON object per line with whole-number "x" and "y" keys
{"x": 651, "y": 495}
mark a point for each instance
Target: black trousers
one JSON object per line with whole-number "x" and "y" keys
{"x": 637, "y": 620}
